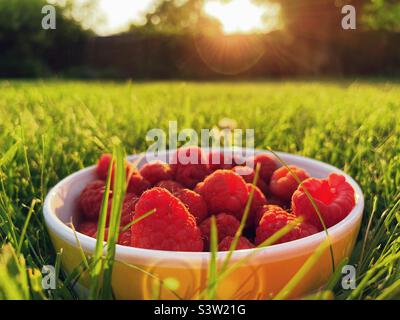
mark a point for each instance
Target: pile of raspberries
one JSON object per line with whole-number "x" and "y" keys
{"x": 184, "y": 195}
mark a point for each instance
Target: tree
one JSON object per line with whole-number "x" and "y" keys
{"x": 382, "y": 15}
{"x": 311, "y": 18}
{"x": 323, "y": 16}
{"x": 26, "y": 49}
{"x": 179, "y": 17}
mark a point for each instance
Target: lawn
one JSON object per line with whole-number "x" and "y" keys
{"x": 48, "y": 130}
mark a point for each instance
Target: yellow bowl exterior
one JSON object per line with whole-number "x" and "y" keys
{"x": 258, "y": 279}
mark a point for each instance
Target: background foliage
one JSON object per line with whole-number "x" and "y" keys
{"x": 312, "y": 28}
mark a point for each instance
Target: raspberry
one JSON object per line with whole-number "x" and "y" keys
{"x": 283, "y": 184}
{"x": 171, "y": 186}
{"x": 124, "y": 238}
{"x": 198, "y": 187}
{"x": 267, "y": 165}
{"x": 137, "y": 184}
{"x": 88, "y": 228}
{"x": 194, "y": 202}
{"x": 258, "y": 202}
{"x": 102, "y": 166}
{"x": 104, "y": 163}
{"x": 264, "y": 209}
{"x": 242, "y": 244}
{"x": 189, "y": 166}
{"x": 248, "y": 175}
{"x": 333, "y": 196}
{"x": 171, "y": 227}
{"x": 128, "y": 209}
{"x": 274, "y": 220}
{"x": 225, "y": 191}
{"x": 128, "y": 206}
{"x": 220, "y": 160}
{"x": 156, "y": 171}
{"x": 91, "y": 198}
{"x": 227, "y": 225}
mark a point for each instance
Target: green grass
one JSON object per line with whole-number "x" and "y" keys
{"x": 50, "y": 129}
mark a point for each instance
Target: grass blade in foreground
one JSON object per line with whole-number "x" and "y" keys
{"x": 213, "y": 267}
{"x": 115, "y": 218}
{"x": 267, "y": 242}
{"x": 95, "y": 272}
{"x": 311, "y": 261}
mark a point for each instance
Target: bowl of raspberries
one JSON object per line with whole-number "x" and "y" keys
{"x": 259, "y": 195}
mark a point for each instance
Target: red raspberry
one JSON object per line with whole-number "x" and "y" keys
{"x": 264, "y": 209}
{"x": 225, "y": 191}
{"x": 198, "y": 187}
{"x": 333, "y": 196}
{"x": 283, "y": 184}
{"x": 171, "y": 186}
{"x": 88, "y": 228}
{"x": 194, "y": 202}
{"x": 102, "y": 166}
{"x": 128, "y": 206}
{"x": 220, "y": 160}
{"x": 267, "y": 165}
{"x": 248, "y": 175}
{"x": 227, "y": 225}
{"x": 124, "y": 238}
{"x": 104, "y": 163}
{"x": 189, "y": 166}
{"x": 156, "y": 171}
{"x": 128, "y": 209}
{"x": 274, "y": 220}
{"x": 258, "y": 202}
{"x": 137, "y": 184}
{"x": 242, "y": 244}
{"x": 91, "y": 198}
{"x": 171, "y": 227}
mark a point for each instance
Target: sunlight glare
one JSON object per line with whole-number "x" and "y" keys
{"x": 243, "y": 16}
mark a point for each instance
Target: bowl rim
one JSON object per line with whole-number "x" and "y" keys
{"x": 276, "y": 251}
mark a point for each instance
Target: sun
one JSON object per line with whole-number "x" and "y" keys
{"x": 243, "y": 16}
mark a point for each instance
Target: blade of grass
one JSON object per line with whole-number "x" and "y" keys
{"x": 337, "y": 275}
{"x": 374, "y": 208}
{"x": 267, "y": 242}
{"x": 23, "y": 232}
{"x": 306, "y": 267}
{"x": 390, "y": 291}
{"x": 81, "y": 251}
{"x": 115, "y": 217}
{"x": 213, "y": 268}
{"x": 369, "y": 274}
{"x": 95, "y": 272}
{"x": 136, "y": 220}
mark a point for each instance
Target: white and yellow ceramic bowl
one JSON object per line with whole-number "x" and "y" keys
{"x": 262, "y": 275}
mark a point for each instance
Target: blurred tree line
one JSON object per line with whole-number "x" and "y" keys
{"x": 179, "y": 16}
{"x": 26, "y": 50}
